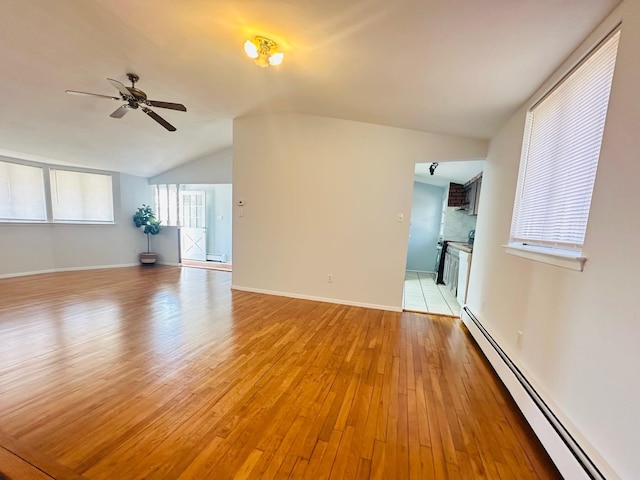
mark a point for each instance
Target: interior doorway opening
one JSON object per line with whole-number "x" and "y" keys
{"x": 444, "y": 212}
{"x": 203, "y": 215}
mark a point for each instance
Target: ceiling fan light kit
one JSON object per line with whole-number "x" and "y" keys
{"x": 135, "y": 99}
{"x": 263, "y": 51}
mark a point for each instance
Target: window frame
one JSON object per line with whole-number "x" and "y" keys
{"x": 45, "y": 193}
{"x": 53, "y": 219}
{"x": 48, "y": 197}
{"x": 565, "y": 255}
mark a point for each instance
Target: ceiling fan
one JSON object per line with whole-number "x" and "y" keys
{"x": 135, "y": 99}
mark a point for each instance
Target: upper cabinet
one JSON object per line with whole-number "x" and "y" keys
{"x": 466, "y": 197}
{"x": 472, "y": 190}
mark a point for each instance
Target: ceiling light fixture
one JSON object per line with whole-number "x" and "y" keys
{"x": 264, "y": 51}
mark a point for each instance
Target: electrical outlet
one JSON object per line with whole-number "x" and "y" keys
{"x": 330, "y": 278}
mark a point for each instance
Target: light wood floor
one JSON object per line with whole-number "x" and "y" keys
{"x": 163, "y": 372}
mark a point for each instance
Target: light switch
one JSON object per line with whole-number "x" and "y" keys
{"x": 241, "y": 212}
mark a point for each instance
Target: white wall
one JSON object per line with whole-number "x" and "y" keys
{"x": 211, "y": 168}
{"x": 30, "y": 248}
{"x": 322, "y": 197}
{"x": 426, "y": 217}
{"x": 223, "y": 229}
{"x": 580, "y": 329}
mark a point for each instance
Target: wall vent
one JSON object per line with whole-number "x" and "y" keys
{"x": 217, "y": 257}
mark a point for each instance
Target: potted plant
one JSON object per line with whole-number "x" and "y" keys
{"x": 145, "y": 217}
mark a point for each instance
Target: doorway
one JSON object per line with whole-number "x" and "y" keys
{"x": 436, "y": 221}
{"x": 193, "y": 227}
{"x": 203, "y": 215}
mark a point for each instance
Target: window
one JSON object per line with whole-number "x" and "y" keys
{"x": 166, "y": 197}
{"x": 22, "y": 197}
{"x": 560, "y": 152}
{"x": 79, "y": 197}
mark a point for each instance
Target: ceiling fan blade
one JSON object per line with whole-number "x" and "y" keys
{"x": 119, "y": 113}
{"x": 121, "y": 88}
{"x": 159, "y": 119}
{"x": 75, "y": 92}
{"x": 169, "y": 105}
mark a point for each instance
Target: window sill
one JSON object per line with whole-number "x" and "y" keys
{"x": 564, "y": 260}
{"x": 22, "y": 223}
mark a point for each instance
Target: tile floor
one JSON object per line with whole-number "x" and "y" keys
{"x": 421, "y": 294}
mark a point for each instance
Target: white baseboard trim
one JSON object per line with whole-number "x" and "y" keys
{"x": 171, "y": 264}
{"x": 66, "y": 269}
{"x": 317, "y": 299}
{"x": 565, "y": 451}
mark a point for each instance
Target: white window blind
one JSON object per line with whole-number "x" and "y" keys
{"x": 560, "y": 153}
{"x": 22, "y": 197}
{"x": 166, "y": 204}
{"x": 80, "y": 197}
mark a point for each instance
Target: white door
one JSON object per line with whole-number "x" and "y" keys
{"x": 193, "y": 230}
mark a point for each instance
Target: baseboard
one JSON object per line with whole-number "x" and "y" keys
{"x": 317, "y": 299}
{"x": 66, "y": 269}
{"x": 567, "y": 454}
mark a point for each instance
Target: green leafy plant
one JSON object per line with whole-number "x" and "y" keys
{"x": 145, "y": 217}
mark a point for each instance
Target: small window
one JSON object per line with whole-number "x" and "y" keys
{"x": 166, "y": 197}
{"x": 560, "y": 153}
{"x": 79, "y": 197}
{"x": 22, "y": 197}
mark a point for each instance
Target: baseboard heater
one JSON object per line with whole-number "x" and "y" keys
{"x": 567, "y": 468}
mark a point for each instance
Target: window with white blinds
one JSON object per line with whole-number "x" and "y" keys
{"x": 79, "y": 197}
{"x": 560, "y": 152}
{"x": 22, "y": 197}
{"x": 166, "y": 203}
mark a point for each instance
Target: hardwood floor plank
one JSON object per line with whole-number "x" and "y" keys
{"x": 42, "y": 462}
{"x": 165, "y": 373}
{"x": 245, "y": 469}
{"x": 12, "y": 466}
{"x": 413, "y": 437}
{"x": 299, "y": 469}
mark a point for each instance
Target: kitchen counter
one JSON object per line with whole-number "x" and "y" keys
{"x": 465, "y": 247}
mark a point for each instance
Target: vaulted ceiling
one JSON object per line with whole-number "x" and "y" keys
{"x": 451, "y": 66}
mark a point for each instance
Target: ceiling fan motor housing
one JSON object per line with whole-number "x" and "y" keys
{"x": 139, "y": 95}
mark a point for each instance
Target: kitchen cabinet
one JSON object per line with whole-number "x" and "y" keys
{"x": 472, "y": 196}
{"x": 447, "y": 266}
{"x": 464, "y": 261}
{"x": 450, "y": 273}
{"x": 474, "y": 205}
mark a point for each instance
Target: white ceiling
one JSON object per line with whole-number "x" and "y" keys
{"x": 451, "y": 66}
